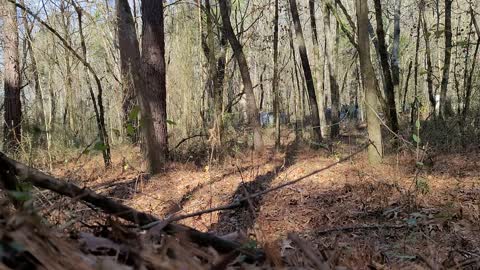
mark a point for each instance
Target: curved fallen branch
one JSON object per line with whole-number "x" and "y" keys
{"x": 44, "y": 181}
{"x": 239, "y": 202}
{"x": 189, "y": 138}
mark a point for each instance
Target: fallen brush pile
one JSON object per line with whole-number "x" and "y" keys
{"x": 132, "y": 239}
{"x": 26, "y": 243}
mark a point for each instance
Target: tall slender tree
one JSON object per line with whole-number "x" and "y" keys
{"x": 216, "y": 69}
{"x": 395, "y": 59}
{"x": 312, "y": 97}
{"x": 375, "y": 152}
{"x": 13, "y": 106}
{"x": 252, "y": 110}
{"x": 387, "y": 75}
{"x": 469, "y": 76}
{"x": 332, "y": 73}
{"x": 446, "y": 59}
{"x": 154, "y": 94}
{"x": 428, "y": 56}
{"x": 275, "y": 90}
{"x": 318, "y": 64}
{"x": 97, "y": 102}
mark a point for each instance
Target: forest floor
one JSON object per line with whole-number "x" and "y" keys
{"x": 395, "y": 215}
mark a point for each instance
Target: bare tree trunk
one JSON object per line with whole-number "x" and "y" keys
{"x": 216, "y": 71}
{"x": 312, "y": 97}
{"x": 447, "y": 58}
{"x": 375, "y": 152}
{"x": 395, "y": 59}
{"x": 407, "y": 80}
{"x": 275, "y": 90}
{"x": 262, "y": 90}
{"x": 128, "y": 101}
{"x": 437, "y": 39}
{"x": 12, "y": 131}
{"x": 468, "y": 87}
{"x": 252, "y": 110}
{"x": 389, "y": 86}
{"x": 318, "y": 71}
{"x": 131, "y": 66}
{"x": 154, "y": 95}
{"x": 296, "y": 81}
{"x": 209, "y": 50}
{"x": 68, "y": 113}
{"x": 98, "y": 101}
{"x": 334, "y": 88}
{"x": 218, "y": 86}
{"x": 39, "y": 100}
{"x": 39, "y": 95}
{"x": 415, "y": 103}
{"x": 428, "y": 54}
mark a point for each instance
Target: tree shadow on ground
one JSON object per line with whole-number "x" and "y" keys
{"x": 243, "y": 218}
{"x": 373, "y": 223}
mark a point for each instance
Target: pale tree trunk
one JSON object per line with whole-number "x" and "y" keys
{"x": 469, "y": 81}
{"x": 389, "y": 85}
{"x": 39, "y": 102}
{"x": 312, "y": 97}
{"x": 153, "y": 96}
{"x": 415, "y": 104}
{"x": 216, "y": 72}
{"x": 437, "y": 39}
{"x": 334, "y": 88}
{"x": 428, "y": 54}
{"x": 39, "y": 99}
{"x": 299, "y": 91}
{"x": 12, "y": 131}
{"x": 275, "y": 90}
{"x": 318, "y": 71}
{"x": 252, "y": 110}
{"x": 68, "y": 113}
{"x": 447, "y": 58}
{"x": 395, "y": 59}
{"x": 209, "y": 50}
{"x": 98, "y": 101}
{"x": 375, "y": 152}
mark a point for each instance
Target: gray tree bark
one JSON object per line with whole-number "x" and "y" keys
{"x": 312, "y": 97}
{"x": 375, "y": 152}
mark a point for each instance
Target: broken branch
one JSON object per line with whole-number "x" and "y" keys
{"x": 44, "y": 181}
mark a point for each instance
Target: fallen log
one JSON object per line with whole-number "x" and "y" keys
{"x": 109, "y": 206}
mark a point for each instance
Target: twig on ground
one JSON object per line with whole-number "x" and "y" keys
{"x": 361, "y": 227}
{"x": 239, "y": 202}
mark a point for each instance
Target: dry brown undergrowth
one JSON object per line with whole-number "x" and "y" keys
{"x": 355, "y": 215}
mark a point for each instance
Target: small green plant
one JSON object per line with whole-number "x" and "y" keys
{"x": 422, "y": 186}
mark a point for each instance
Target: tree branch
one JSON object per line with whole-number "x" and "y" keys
{"x": 109, "y": 206}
